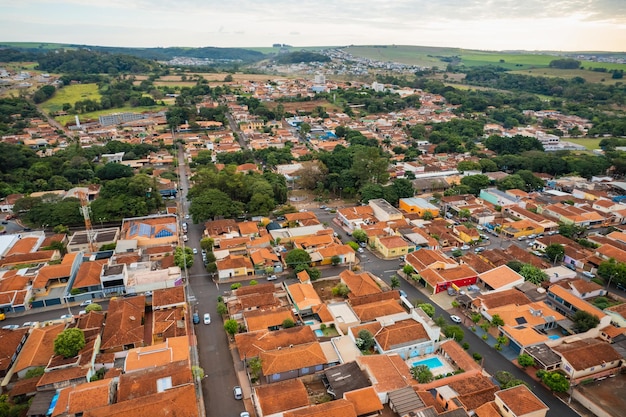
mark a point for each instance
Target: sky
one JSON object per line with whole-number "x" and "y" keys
{"x": 557, "y": 25}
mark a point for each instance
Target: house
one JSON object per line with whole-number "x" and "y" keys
{"x": 617, "y": 314}
{"x": 354, "y": 217}
{"x": 124, "y": 328}
{"x": 304, "y": 297}
{"x": 251, "y": 344}
{"x": 360, "y": 285}
{"x": 365, "y": 401}
{"x": 281, "y": 396}
{"x": 405, "y": 336}
{"x": 267, "y": 319}
{"x": 582, "y": 288}
{"x": 521, "y": 228}
{"x": 12, "y": 343}
{"x": 495, "y": 299}
{"x": 437, "y": 280}
{"x": 151, "y": 230}
{"x": 519, "y": 401}
{"x": 384, "y": 211}
{"x": 419, "y": 206}
{"x": 393, "y": 246}
{"x": 344, "y": 378}
{"x": 292, "y": 362}
{"x": 330, "y": 253}
{"x": 88, "y": 279}
{"x": 337, "y": 408}
{"x": 387, "y": 373}
{"x": 499, "y": 279}
{"x": 371, "y": 311}
{"x": 234, "y": 266}
{"x": 568, "y": 304}
{"x": 174, "y": 349}
{"x": 38, "y": 348}
{"x": 466, "y": 234}
{"x": 77, "y": 399}
{"x": 218, "y": 229}
{"x": 468, "y": 393}
{"x": 588, "y": 357}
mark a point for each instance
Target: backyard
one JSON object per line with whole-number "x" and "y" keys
{"x": 324, "y": 289}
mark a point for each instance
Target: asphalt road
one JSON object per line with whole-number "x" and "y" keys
{"x": 213, "y": 348}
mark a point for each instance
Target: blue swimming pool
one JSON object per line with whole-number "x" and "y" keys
{"x": 433, "y": 362}
{"x": 554, "y": 337}
{"x": 319, "y": 333}
{"x": 309, "y": 323}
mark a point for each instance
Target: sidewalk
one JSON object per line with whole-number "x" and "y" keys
{"x": 242, "y": 376}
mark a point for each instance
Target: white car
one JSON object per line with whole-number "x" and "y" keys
{"x": 186, "y": 216}
{"x": 238, "y": 393}
{"x": 67, "y": 316}
{"x": 86, "y": 303}
{"x": 244, "y": 414}
{"x": 588, "y": 274}
{"x": 455, "y": 319}
{"x": 360, "y": 250}
{"x": 195, "y": 251}
{"x": 272, "y": 278}
{"x": 207, "y": 318}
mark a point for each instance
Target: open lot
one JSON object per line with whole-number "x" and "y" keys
{"x": 71, "y": 94}
{"x": 589, "y": 76}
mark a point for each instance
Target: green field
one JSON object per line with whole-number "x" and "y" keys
{"x": 94, "y": 115}
{"x": 589, "y": 76}
{"x": 71, "y": 94}
{"x": 35, "y": 45}
{"x": 591, "y": 143}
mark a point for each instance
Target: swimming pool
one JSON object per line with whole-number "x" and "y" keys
{"x": 554, "y": 337}
{"x": 319, "y": 333}
{"x": 433, "y": 362}
{"x": 309, "y": 323}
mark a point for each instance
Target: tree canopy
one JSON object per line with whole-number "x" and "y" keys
{"x": 69, "y": 342}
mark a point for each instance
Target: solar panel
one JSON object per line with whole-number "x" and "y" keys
{"x": 145, "y": 230}
{"x": 520, "y": 320}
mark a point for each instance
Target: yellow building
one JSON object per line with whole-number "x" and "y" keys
{"x": 392, "y": 246}
{"x": 419, "y": 206}
{"x": 522, "y": 228}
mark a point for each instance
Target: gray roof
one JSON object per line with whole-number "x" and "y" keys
{"x": 544, "y": 355}
{"x": 345, "y": 378}
{"x": 405, "y": 400}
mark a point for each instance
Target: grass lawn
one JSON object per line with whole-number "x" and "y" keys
{"x": 590, "y": 143}
{"x": 589, "y": 76}
{"x": 94, "y": 115}
{"x": 71, "y": 94}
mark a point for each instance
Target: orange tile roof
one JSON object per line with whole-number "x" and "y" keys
{"x": 39, "y": 347}
{"x": 89, "y": 274}
{"x": 263, "y": 320}
{"x": 49, "y": 272}
{"x": 177, "y": 401}
{"x": 251, "y": 344}
{"x": 387, "y": 372}
{"x": 337, "y": 408}
{"x": 80, "y": 398}
{"x": 501, "y": 298}
{"x": 371, "y": 311}
{"x": 282, "y": 396}
{"x": 359, "y": 284}
{"x": 11, "y": 339}
{"x": 489, "y": 409}
{"x": 168, "y": 296}
{"x": 174, "y": 349}
{"x": 28, "y": 258}
{"x": 500, "y": 276}
{"x": 234, "y": 262}
{"x": 143, "y": 382}
{"x": 400, "y": 333}
{"x": 23, "y": 245}
{"x": 292, "y": 358}
{"x": 303, "y": 276}
{"x": 124, "y": 324}
{"x": 587, "y": 353}
{"x": 365, "y": 401}
{"x": 575, "y": 301}
{"x": 304, "y": 295}
{"x": 520, "y": 400}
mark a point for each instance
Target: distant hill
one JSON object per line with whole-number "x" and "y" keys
{"x": 31, "y": 50}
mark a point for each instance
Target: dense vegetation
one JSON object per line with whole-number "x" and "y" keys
{"x": 301, "y": 56}
{"x": 9, "y": 123}
{"x": 91, "y": 62}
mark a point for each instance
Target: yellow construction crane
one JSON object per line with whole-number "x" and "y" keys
{"x": 86, "y": 212}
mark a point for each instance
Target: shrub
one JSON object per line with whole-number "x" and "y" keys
{"x": 485, "y": 337}
{"x": 465, "y": 345}
{"x": 235, "y": 285}
{"x": 477, "y": 356}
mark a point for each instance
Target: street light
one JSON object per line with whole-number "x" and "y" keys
{"x": 101, "y": 219}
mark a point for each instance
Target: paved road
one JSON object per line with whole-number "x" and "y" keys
{"x": 213, "y": 349}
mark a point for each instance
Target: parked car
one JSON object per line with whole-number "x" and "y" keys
{"x": 196, "y": 318}
{"x": 465, "y": 247}
{"x": 478, "y": 250}
{"x": 363, "y": 244}
{"x": 455, "y": 319}
{"x": 238, "y": 393}
{"x": 11, "y": 327}
{"x": 403, "y": 294}
{"x": 86, "y": 303}
{"x": 360, "y": 250}
{"x": 272, "y": 278}
{"x": 451, "y": 291}
{"x": 244, "y": 414}
{"x": 195, "y": 251}
{"x": 185, "y": 238}
{"x": 570, "y": 266}
{"x": 67, "y": 316}
{"x": 207, "y": 318}
{"x": 588, "y": 274}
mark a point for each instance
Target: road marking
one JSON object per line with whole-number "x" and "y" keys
{"x": 391, "y": 270}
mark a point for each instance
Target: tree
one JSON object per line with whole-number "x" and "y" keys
{"x": 253, "y": 282}
{"x": 335, "y": 260}
{"x": 507, "y": 380}
{"x": 395, "y": 282}
{"x": 231, "y": 326}
{"x": 69, "y": 342}
{"x": 554, "y": 252}
{"x": 422, "y": 374}
{"x": 353, "y": 245}
{"x": 341, "y": 290}
{"x": 256, "y": 366}
{"x": 475, "y": 183}
{"x": 496, "y": 321}
{"x": 197, "y": 372}
{"x": 221, "y": 308}
{"x": 572, "y": 231}
{"x": 428, "y": 215}
{"x": 613, "y": 270}
{"x": 183, "y": 259}
{"x": 407, "y": 269}
{"x": 367, "y": 340}
{"x": 454, "y": 332}
{"x": 288, "y": 323}
{"x": 584, "y": 321}
{"x": 359, "y": 235}
{"x": 33, "y": 372}
{"x": 297, "y": 257}
{"x": 206, "y": 243}
{"x": 533, "y": 274}
{"x": 524, "y": 360}
{"x": 93, "y": 307}
{"x": 556, "y": 381}
{"x": 464, "y": 213}
{"x": 427, "y": 308}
